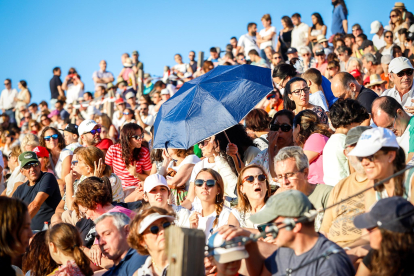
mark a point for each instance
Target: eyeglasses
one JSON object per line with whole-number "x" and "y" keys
{"x": 74, "y": 162}
{"x": 30, "y": 165}
{"x": 271, "y": 96}
{"x": 94, "y": 131}
{"x": 71, "y": 72}
{"x": 250, "y": 178}
{"x": 209, "y": 183}
{"x": 138, "y": 137}
{"x": 393, "y": 15}
{"x": 319, "y": 54}
{"x": 32, "y": 125}
{"x": 370, "y": 158}
{"x": 298, "y": 91}
{"x": 408, "y": 73}
{"x": 204, "y": 142}
{"x": 262, "y": 227}
{"x": 283, "y": 127}
{"x": 155, "y": 228}
{"x": 388, "y": 36}
{"x": 278, "y": 57}
{"x": 376, "y": 86}
{"x": 54, "y": 137}
{"x": 287, "y": 175}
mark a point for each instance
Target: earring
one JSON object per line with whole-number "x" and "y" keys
{"x": 217, "y": 198}
{"x": 146, "y": 246}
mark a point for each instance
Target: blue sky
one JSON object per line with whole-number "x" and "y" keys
{"x": 39, "y": 35}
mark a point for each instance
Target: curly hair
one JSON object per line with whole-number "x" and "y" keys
{"x": 395, "y": 254}
{"x": 345, "y": 112}
{"x": 92, "y": 154}
{"x": 309, "y": 123}
{"x": 184, "y": 152}
{"x": 135, "y": 239}
{"x": 125, "y": 140}
{"x": 287, "y": 102}
{"x": 61, "y": 140}
{"x": 29, "y": 140}
{"x": 90, "y": 193}
{"x": 37, "y": 259}
{"x": 68, "y": 240}
{"x": 244, "y": 204}
{"x": 257, "y": 120}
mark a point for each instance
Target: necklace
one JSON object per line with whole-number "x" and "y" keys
{"x": 155, "y": 266}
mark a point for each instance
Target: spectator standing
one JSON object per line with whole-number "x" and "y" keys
{"x": 128, "y": 74}
{"x": 7, "y": 102}
{"x": 233, "y": 42}
{"x": 59, "y": 107}
{"x": 102, "y": 77}
{"x": 22, "y": 100}
{"x": 267, "y": 35}
{"x": 73, "y": 86}
{"x": 136, "y": 63}
{"x": 299, "y": 32}
{"x": 285, "y": 36}
{"x": 339, "y": 17}
{"x": 247, "y": 41}
{"x": 193, "y": 62}
{"x": 378, "y": 30}
{"x": 55, "y": 85}
{"x": 318, "y": 28}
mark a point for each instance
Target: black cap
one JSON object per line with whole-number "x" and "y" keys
{"x": 366, "y": 43}
{"x": 320, "y": 52}
{"x": 410, "y": 36}
{"x": 394, "y": 213}
{"x": 291, "y": 50}
{"x": 72, "y": 128}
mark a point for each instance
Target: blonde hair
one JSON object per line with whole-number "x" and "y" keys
{"x": 92, "y": 154}
{"x": 267, "y": 18}
{"x": 29, "y": 140}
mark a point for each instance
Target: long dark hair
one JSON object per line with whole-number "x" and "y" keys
{"x": 61, "y": 140}
{"x": 309, "y": 123}
{"x": 288, "y": 103}
{"x": 125, "y": 140}
{"x": 284, "y": 70}
{"x": 342, "y": 3}
{"x": 319, "y": 19}
{"x": 288, "y": 21}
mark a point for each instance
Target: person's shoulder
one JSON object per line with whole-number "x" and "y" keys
{"x": 19, "y": 190}
{"x": 192, "y": 159}
{"x": 323, "y": 188}
{"x": 144, "y": 150}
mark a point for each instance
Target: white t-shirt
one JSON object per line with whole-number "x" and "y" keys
{"x": 264, "y": 33}
{"x": 73, "y": 93}
{"x": 181, "y": 67}
{"x": 248, "y": 42}
{"x": 318, "y": 98}
{"x": 379, "y": 41}
{"x": 73, "y": 146}
{"x": 335, "y": 163}
{"x": 58, "y": 166}
{"x": 299, "y": 36}
{"x": 15, "y": 177}
{"x": 182, "y": 213}
{"x": 149, "y": 120}
{"x": 116, "y": 121}
{"x": 191, "y": 159}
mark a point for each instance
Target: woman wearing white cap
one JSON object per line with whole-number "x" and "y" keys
{"x": 147, "y": 236}
{"x": 381, "y": 156}
{"x": 157, "y": 193}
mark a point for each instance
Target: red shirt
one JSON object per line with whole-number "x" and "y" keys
{"x": 114, "y": 159}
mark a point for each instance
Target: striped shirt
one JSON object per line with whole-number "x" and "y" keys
{"x": 114, "y": 159}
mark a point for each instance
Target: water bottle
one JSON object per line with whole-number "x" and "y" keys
{"x": 46, "y": 226}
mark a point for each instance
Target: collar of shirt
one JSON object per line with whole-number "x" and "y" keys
{"x": 125, "y": 259}
{"x": 393, "y": 92}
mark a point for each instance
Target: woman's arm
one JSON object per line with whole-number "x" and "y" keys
{"x": 112, "y": 132}
{"x": 69, "y": 180}
{"x": 181, "y": 178}
{"x": 27, "y": 97}
{"x": 311, "y": 155}
{"x": 61, "y": 207}
{"x": 233, "y": 221}
{"x": 324, "y": 29}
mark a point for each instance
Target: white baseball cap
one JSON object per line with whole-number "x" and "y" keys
{"x": 225, "y": 255}
{"x": 375, "y": 27}
{"x": 150, "y": 219}
{"x": 86, "y": 126}
{"x": 153, "y": 181}
{"x": 129, "y": 95}
{"x": 398, "y": 64}
{"x": 165, "y": 92}
{"x": 372, "y": 140}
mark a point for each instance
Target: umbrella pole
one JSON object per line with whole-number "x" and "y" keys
{"x": 237, "y": 154}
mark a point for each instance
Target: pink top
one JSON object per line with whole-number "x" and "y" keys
{"x": 70, "y": 269}
{"x": 126, "y": 77}
{"x": 120, "y": 209}
{"x": 316, "y": 142}
{"x": 322, "y": 68}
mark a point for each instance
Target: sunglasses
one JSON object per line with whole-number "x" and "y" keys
{"x": 408, "y": 73}
{"x": 262, "y": 227}
{"x": 54, "y": 137}
{"x": 371, "y": 158}
{"x": 320, "y": 54}
{"x": 250, "y": 178}
{"x": 32, "y": 125}
{"x": 94, "y": 131}
{"x": 30, "y": 165}
{"x": 71, "y": 72}
{"x": 388, "y": 36}
{"x": 393, "y": 15}
{"x": 138, "y": 137}
{"x": 204, "y": 142}
{"x": 209, "y": 183}
{"x": 155, "y": 228}
{"x": 277, "y": 57}
{"x": 283, "y": 127}
{"x": 126, "y": 113}
{"x": 271, "y": 96}
{"x": 74, "y": 162}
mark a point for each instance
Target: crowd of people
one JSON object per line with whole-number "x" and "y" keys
{"x": 84, "y": 192}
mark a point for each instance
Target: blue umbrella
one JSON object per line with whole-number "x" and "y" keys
{"x": 210, "y": 104}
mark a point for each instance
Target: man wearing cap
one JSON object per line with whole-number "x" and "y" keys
{"x": 117, "y": 118}
{"x": 90, "y": 133}
{"x": 131, "y": 100}
{"x": 337, "y": 224}
{"x": 136, "y": 63}
{"x": 112, "y": 231}
{"x": 388, "y": 113}
{"x": 298, "y": 242}
{"x": 102, "y": 77}
{"x": 299, "y": 32}
{"x": 40, "y": 192}
{"x": 71, "y": 135}
{"x": 378, "y": 30}
{"x": 321, "y": 63}
{"x": 376, "y": 84}
{"x": 401, "y": 73}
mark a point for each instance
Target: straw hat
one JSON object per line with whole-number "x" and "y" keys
{"x": 321, "y": 38}
{"x": 374, "y": 80}
{"x": 128, "y": 62}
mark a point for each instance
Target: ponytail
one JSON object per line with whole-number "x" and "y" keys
{"x": 82, "y": 261}
{"x": 219, "y": 208}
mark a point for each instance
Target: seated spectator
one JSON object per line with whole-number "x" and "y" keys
{"x": 358, "y": 76}
{"x": 106, "y": 122}
{"x": 152, "y": 242}
{"x": 89, "y": 133}
{"x": 274, "y": 102}
{"x": 354, "y": 64}
{"x": 44, "y": 159}
{"x": 321, "y": 63}
{"x": 307, "y": 59}
{"x": 389, "y": 43}
{"x": 344, "y": 54}
{"x": 16, "y": 178}
{"x": 71, "y": 135}
{"x": 257, "y": 127}
{"x": 144, "y": 119}
{"x": 317, "y": 97}
{"x": 376, "y": 84}
{"x": 256, "y": 59}
{"x": 40, "y": 192}
{"x": 118, "y": 117}
{"x": 333, "y": 69}
{"x": 34, "y": 126}
{"x": 344, "y": 115}
{"x": 282, "y": 74}
{"x": 129, "y": 117}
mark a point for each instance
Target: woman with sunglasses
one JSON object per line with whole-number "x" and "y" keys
{"x": 272, "y": 103}
{"x": 147, "y": 236}
{"x": 311, "y": 135}
{"x": 296, "y": 99}
{"x": 60, "y": 158}
{"x": 210, "y": 213}
{"x": 130, "y": 161}
{"x": 397, "y": 23}
{"x": 129, "y": 117}
{"x": 253, "y": 191}
{"x": 280, "y": 136}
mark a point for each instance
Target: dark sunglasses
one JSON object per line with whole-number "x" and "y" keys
{"x": 408, "y": 73}
{"x": 155, "y": 228}
{"x": 30, "y": 165}
{"x": 94, "y": 131}
{"x": 138, "y": 137}
{"x": 126, "y": 113}
{"x": 271, "y": 96}
{"x": 371, "y": 158}
{"x": 283, "y": 127}
{"x": 204, "y": 142}
{"x": 71, "y": 72}
{"x": 74, "y": 162}
{"x": 200, "y": 182}
{"x": 388, "y": 36}
{"x": 54, "y": 137}
{"x": 277, "y": 57}
{"x": 250, "y": 178}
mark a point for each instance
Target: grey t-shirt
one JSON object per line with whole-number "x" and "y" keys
{"x": 337, "y": 264}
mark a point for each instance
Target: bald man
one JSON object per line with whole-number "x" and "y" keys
{"x": 102, "y": 77}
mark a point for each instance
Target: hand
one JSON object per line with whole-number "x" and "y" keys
{"x": 69, "y": 178}
{"x": 409, "y": 109}
{"x": 132, "y": 169}
{"x": 231, "y": 150}
{"x": 166, "y": 156}
{"x": 269, "y": 239}
{"x": 95, "y": 254}
{"x": 209, "y": 267}
{"x": 272, "y": 138}
{"x": 229, "y": 232}
{"x": 100, "y": 168}
{"x": 136, "y": 195}
{"x": 194, "y": 220}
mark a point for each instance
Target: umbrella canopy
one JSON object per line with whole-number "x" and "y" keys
{"x": 210, "y": 104}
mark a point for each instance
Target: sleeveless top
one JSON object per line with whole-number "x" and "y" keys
{"x": 407, "y": 185}
{"x": 126, "y": 77}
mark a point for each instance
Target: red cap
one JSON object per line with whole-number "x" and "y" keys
{"x": 41, "y": 151}
{"x": 104, "y": 144}
{"x": 355, "y": 73}
{"x": 120, "y": 100}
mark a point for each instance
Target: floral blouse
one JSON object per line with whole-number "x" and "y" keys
{"x": 70, "y": 269}
{"x": 321, "y": 114}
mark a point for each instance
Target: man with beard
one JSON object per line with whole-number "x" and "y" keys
{"x": 247, "y": 41}
{"x": 339, "y": 17}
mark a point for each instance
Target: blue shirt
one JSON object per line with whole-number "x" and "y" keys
{"x": 326, "y": 86}
{"x": 128, "y": 265}
{"x": 337, "y": 18}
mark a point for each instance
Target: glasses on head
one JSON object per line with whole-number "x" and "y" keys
{"x": 30, "y": 165}
{"x": 74, "y": 162}
{"x": 204, "y": 142}
{"x": 271, "y": 96}
{"x": 138, "y": 137}
{"x": 283, "y": 127}
{"x": 287, "y": 175}
{"x": 408, "y": 73}
{"x": 209, "y": 183}
{"x": 298, "y": 91}
{"x": 250, "y": 178}
{"x": 54, "y": 137}
{"x": 155, "y": 228}
{"x": 94, "y": 131}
